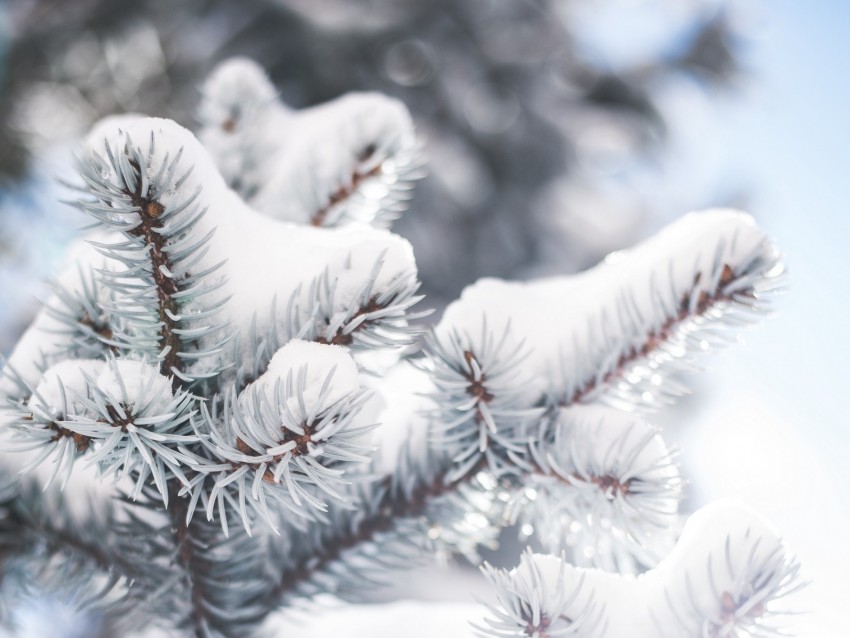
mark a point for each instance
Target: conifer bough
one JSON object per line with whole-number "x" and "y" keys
{"x": 228, "y": 373}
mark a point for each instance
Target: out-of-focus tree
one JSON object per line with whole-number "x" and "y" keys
{"x": 545, "y": 121}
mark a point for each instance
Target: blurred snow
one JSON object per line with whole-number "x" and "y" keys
{"x": 49, "y": 617}
{"x": 751, "y": 448}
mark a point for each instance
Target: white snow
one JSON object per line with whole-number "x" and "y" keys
{"x": 61, "y": 384}
{"x": 318, "y": 362}
{"x": 233, "y": 89}
{"x": 322, "y": 149}
{"x": 554, "y": 583}
{"x": 267, "y": 261}
{"x": 725, "y": 547}
{"x": 573, "y": 324}
{"x": 106, "y": 126}
{"x": 135, "y": 382}
{"x": 602, "y": 440}
{"x": 241, "y": 120}
{"x": 401, "y": 406}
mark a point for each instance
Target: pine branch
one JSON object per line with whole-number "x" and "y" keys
{"x": 119, "y": 414}
{"x": 346, "y": 191}
{"x": 248, "y": 445}
{"x": 497, "y": 378}
{"x": 615, "y": 477}
{"x": 72, "y": 324}
{"x": 391, "y": 525}
{"x": 224, "y": 583}
{"x": 86, "y": 328}
{"x": 376, "y": 319}
{"x": 601, "y": 485}
{"x": 728, "y": 575}
{"x": 132, "y": 190}
{"x": 481, "y": 412}
{"x": 200, "y": 229}
{"x": 353, "y": 160}
{"x": 238, "y": 108}
{"x": 287, "y": 440}
{"x": 356, "y": 546}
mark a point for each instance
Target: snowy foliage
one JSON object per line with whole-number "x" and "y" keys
{"x": 727, "y": 576}
{"x": 234, "y": 353}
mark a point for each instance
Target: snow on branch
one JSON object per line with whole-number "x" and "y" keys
{"x": 729, "y": 575}
{"x": 618, "y": 334}
{"x": 73, "y": 324}
{"x": 119, "y": 414}
{"x": 234, "y": 347}
{"x": 481, "y": 395}
{"x": 286, "y": 440}
{"x": 143, "y": 191}
{"x": 602, "y": 486}
{"x": 351, "y": 160}
{"x": 192, "y": 259}
{"x": 240, "y": 117}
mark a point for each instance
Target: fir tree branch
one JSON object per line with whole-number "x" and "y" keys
{"x": 611, "y": 467}
{"x": 187, "y": 555}
{"x": 72, "y": 324}
{"x": 495, "y": 380}
{"x": 157, "y": 270}
{"x": 85, "y": 325}
{"x": 390, "y": 525}
{"x": 479, "y": 393}
{"x": 151, "y": 231}
{"x": 696, "y": 306}
{"x": 729, "y": 574}
{"x": 286, "y": 440}
{"x": 120, "y": 414}
{"x": 352, "y": 160}
{"x": 375, "y": 318}
{"x": 601, "y": 485}
{"x": 272, "y": 430}
{"x": 238, "y": 108}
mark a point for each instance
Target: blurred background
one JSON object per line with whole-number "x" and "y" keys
{"x": 556, "y": 132}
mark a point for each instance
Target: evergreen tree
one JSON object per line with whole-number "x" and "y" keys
{"x": 234, "y": 353}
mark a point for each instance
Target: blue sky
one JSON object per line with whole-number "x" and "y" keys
{"x": 792, "y": 143}
{"x": 775, "y": 431}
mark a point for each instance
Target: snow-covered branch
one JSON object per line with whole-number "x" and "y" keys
{"x": 729, "y": 575}
{"x": 235, "y": 349}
